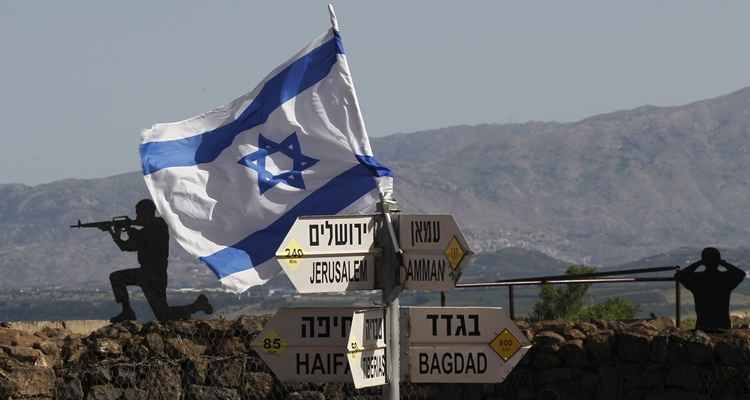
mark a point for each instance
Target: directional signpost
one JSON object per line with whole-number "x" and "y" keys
{"x": 463, "y": 344}
{"x": 434, "y": 251}
{"x": 337, "y": 254}
{"x": 330, "y": 253}
{"x": 366, "y": 350}
{"x": 307, "y": 344}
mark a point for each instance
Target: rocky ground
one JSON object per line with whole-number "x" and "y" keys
{"x": 212, "y": 359}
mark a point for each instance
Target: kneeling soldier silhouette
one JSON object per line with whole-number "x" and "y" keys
{"x": 711, "y": 289}
{"x": 152, "y": 244}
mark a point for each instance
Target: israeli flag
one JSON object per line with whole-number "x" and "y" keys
{"x": 231, "y": 182}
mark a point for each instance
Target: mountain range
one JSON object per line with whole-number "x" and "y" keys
{"x": 606, "y": 190}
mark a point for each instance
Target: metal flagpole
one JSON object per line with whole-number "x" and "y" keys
{"x": 391, "y": 283}
{"x": 391, "y": 290}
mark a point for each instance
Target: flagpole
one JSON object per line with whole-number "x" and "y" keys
{"x": 334, "y": 21}
{"x": 391, "y": 282}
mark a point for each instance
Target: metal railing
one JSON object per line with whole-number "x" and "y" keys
{"x": 594, "y": 277}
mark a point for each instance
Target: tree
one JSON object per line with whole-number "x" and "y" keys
{"x": 568, "y": 302}
{"x": 613, "y": 308}
{"x": 556, "y": 302}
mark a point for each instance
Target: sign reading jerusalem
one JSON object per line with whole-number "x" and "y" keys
{"x": 330, "y": 253}
{"x": 463, "y": 344}
{"x": 434, "y": 251}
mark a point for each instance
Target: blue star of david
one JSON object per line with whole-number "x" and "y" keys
{"x": 289, "y": 147}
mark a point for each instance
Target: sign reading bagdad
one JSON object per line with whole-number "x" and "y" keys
{"x": 463, "y": 344}
{"x": 330, "y": 254}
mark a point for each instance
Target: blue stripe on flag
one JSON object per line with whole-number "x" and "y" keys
{"x": 294, "y": 79}
{"x": 260, "y": 246}
{"x": 375, "y": 166}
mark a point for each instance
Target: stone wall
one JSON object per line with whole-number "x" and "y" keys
{"x": 196, "y": 360}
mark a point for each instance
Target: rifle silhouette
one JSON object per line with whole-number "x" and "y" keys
{"x": 121, "y": 224}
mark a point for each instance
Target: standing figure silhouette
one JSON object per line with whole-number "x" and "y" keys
{"x": 152, "y": 244}
{"x": 711, "y": 289}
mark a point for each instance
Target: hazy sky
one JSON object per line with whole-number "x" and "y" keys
{"x": 79, "y": 80}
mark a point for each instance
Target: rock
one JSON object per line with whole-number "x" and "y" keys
{"x": 574, "y": 334}
{"x": 125, "y": 375}
{"x": 598, "y": 348}
{"x": 662, "y": 323}
{"x": 228, "y": 346}
{"x": 548, "y": 339}
{"x": 521, "y": 324}
{"x": 246, "y": 326}
{"x": 572, "y": 354}
{"x": 162, "y": 381}
{"x": 113, "y": 331}
{"x": 72, "y": 349}
{"x": 98, "y": 374}
{"x": 186, "y": 329}
{"x": 47, "y": 347}
{"x": 197, "y": 392}
{"x": 28, "y": 382}
{"x": 699, "y": 348}
{"x": 676, "y": 354}
{"x": 630, "y": 377}
{"x": 633, "y": 347}
{"x": 70, "y": 389}
{"x": 259, "y": 386}
{"x": 136, "y": 352}
{"x": 589, "y": 382}
{"x": 183, "y": 348}
{"x": 104, "y": 392}
{"x": 731, "y": 354}
{"x": 133, "y": 327}
{"x": 557, "y": 326}
{"x": 14, "y": 337}
{"x": 608, "y": 383}
{"x": 659, "y": 348}
{"x": 587, "y": 328}
{"x": 672, "y": 394}
{"x": 545, "y": 359}
{"x": 306, "y": 395}
{"x": 554, "y": 375}
{"x": 643, "y": 328}
{"x": 155, "y": 343}
{"x": 653, "y": 377}
{"x": 195, "y": 370}
{"x": 226, "y": 372}
{"x": 133, "y": 394}
{"x": 107, "y": 347}
{"x": 684, "y": 377}
{"x": 27, "y": 355}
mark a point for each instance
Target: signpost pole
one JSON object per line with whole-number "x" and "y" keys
{"x": 391, "y": 289}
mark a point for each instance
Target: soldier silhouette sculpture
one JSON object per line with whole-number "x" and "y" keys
{"x": 711, "y": 289}
{"x": 152, "y": 244}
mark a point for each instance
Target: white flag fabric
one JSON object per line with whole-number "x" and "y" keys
{"x": 231, "y": 182}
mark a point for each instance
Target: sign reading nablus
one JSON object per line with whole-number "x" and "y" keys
{"x": 330, "y": 253}
{"x": 463, "y": 344}
{"x": 434, "y": 251}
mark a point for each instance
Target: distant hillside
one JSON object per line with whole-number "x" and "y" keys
{"x": 602, "y": 191}
{"x": 511, "y": 262}
{"x": 38, "y": 249}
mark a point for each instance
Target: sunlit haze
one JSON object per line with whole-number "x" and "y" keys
{"x": 80, "y": 80}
